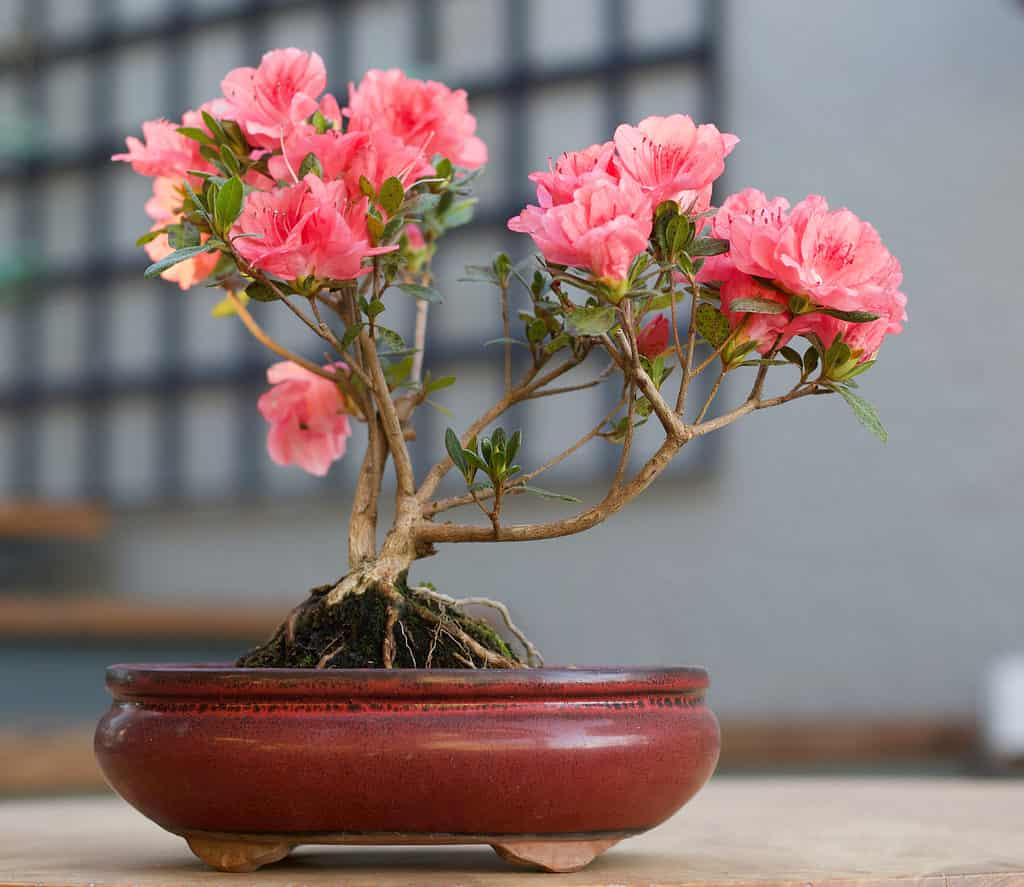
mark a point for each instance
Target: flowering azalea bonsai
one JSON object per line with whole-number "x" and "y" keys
{"x": 276, "y": 194}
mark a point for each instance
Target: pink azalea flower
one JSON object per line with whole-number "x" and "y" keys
{"x": 766, "y": 330}
{"x": 306, "y": 412}
{"x": 603, "y": 229}
{"x": 268, "y": 102}
{"x": 653, "y": 337}
{"x": 573, "y": 168}
{"x": 313, "y": 228}
{"x": 424, "y": 114}
{"x": 674, "y": 159}
{"x": 834, "y": 258}
{"x": 163, "y": 208}
{"x": 349, "y": 156}
{"x": 164, "y": 151}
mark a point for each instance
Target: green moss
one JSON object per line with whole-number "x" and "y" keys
{"x": 351, "y": 634}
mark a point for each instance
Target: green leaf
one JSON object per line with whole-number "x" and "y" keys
{"x": 424, "y": 293}
{"x": 444, "y": 168}
{"x": 320, "y": 123}
{"x": 177, "y": 256}
{"x": 536, "y": 330}
{"x": 712, "y": 325}
{"x": 149, "y": 236}
{"x": 430, "y": 385}
{"x": 757, "y": 306}
{"x": 376, "y": 228}
{"x": 810, "y": 360}
{"x": 351, "y": 334}
{"x": 850, "y": 316}
{"x": 460, "y": 213}
{"x": 193, "y": 132}
{"x": 182, "y": 235}
{"x": 546, "y": 494}
{"x": 392, "y": 339}
{"x": 455, "y": 451}
{"x": 392, "y": 193}
{"x": 374, "y": 308}
{"x": 708, "y": 246}
{"x": 229, "y": 202}
{"x": 557, "y": 343}
{"x": 864, "y": 411}
{"x": 260, "y": 292}
{"x": 514, "y": 442}
{"x": 213, "y": 126}
{"x": 792, "y": 355}
{"x": 311, "y": 164}
{"x": 592, "y": 320}
{"x": 366, "y": 186}
{"x": 441, "y": 408}
{"x": 230, "y": 161}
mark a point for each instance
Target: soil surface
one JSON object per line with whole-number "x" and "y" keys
{"x": 368, "y": 629}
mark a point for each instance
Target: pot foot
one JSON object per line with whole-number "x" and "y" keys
{"x": 228, "y": 855}
{"x": 554, "y": 856}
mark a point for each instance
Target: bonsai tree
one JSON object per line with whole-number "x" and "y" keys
{"x": 277, "y": 195}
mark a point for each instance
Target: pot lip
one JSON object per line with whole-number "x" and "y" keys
{"x": 221, "y": 681}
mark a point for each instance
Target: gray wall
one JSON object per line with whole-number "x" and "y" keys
{"x": 815, "y": 570}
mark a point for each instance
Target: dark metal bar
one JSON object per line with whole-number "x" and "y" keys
{"x": 96, "y": 455}
{"x": 172, "y": 379}
{"x": 171, "y": 439}
{"x": 500, "y": 87}
{"x": 26, "y": 468}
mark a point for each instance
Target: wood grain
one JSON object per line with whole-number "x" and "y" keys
{"x": 29, "y": 617}
{"x": 737, "y": 833}
{"x": 28, "y": 519}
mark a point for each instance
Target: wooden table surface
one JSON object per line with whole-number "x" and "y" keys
{"x": 738, "y": 831}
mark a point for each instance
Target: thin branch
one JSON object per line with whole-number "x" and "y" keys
{"x": 711, "y": 396}
{"x": 506, "y": 331}
{"x": 673, "y": 425}
{"x": 627, "y": 441}
{"x": 258, "y": 333}
{"x": 691, "y": 341}
{"x": 549, "y": 392}
{"x": 530, "y": 383}
{"x": 428, "y": 532}
{"x": 516, "y": 486}
{"x": 389, "y": 417}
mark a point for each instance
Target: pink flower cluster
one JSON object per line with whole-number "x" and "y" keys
{"x": 307, "y": 415}
{"x": 395, "y": 126}
{"x": 595, "y": 208}
{"x": 829, "y": 259}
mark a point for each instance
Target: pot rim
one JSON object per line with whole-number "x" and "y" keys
{"x": 220, "y": 681}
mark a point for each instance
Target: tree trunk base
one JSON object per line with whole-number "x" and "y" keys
{"x": 380, "y": 627}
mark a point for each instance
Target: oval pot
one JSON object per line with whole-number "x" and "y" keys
{"x": 549, "y": 766}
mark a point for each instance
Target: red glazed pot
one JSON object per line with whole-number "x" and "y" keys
{"x": 549, "y": 766}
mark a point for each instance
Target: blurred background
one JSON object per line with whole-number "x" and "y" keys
{"x": 858, "y": 605}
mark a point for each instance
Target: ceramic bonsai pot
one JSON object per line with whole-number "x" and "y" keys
{"x": 549, "y": 766}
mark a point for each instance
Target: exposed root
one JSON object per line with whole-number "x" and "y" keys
{"x": 451, "y": 628}
{"x": 533, "y": 656}
{"x": 378, "y": 624}
{"x": 388, "y": 644}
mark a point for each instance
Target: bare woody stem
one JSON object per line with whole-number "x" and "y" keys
{"x": 428, "y": 532}
{"x": 390, "y": 422}
{"x": 362, "y": 527}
